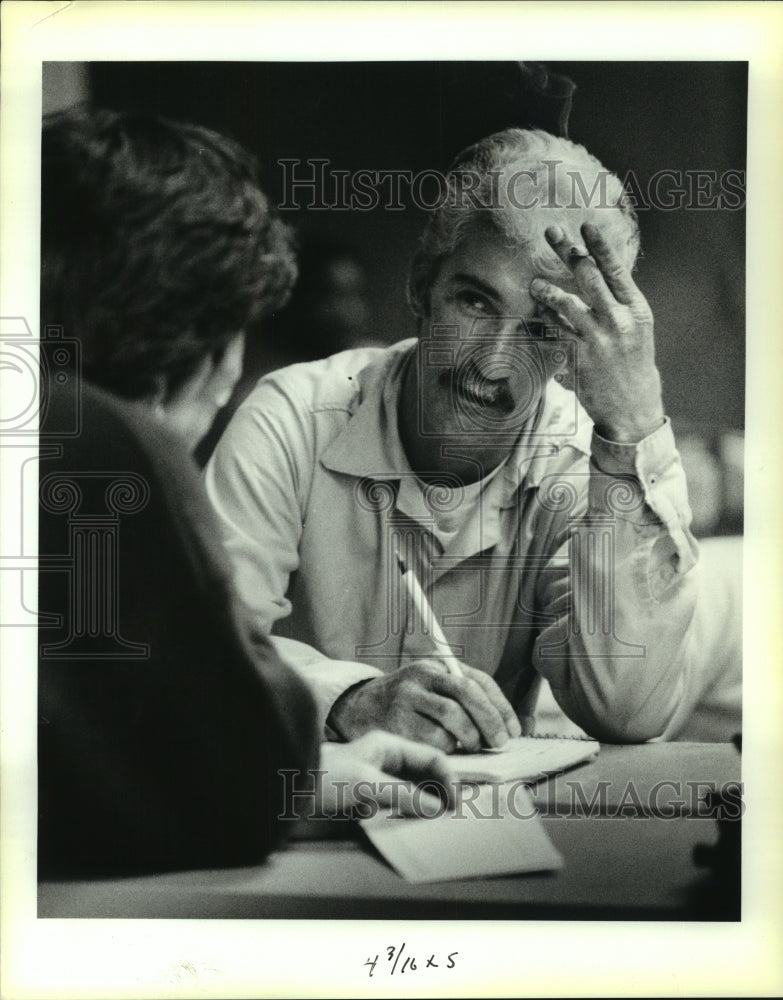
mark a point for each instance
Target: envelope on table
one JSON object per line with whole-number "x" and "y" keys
{"x": 479, "y": 838}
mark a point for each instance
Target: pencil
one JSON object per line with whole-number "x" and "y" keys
{"x": 427, "y": 616}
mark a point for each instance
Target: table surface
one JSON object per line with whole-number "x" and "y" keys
{"x": 626, "y": 824}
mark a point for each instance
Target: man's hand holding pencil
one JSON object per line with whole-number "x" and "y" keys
{"x": 437, "y": 700}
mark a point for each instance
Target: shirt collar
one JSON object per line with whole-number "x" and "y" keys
{"x": 369, "y": 445}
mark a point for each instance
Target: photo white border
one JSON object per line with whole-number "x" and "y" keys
{"x": 243, "y": 958}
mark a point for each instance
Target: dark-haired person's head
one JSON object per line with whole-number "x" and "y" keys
{"x": 158, "y": 250}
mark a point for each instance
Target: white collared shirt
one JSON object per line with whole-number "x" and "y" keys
{"x": 575, "y": 562}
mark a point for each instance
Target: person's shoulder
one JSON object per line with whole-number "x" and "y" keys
{"x": 339, "y": 382}
{"x": 144, "y": 465}
{"x": 107, "y": 426}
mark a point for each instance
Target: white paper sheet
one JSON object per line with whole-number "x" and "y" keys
{"x": 494, "y": 830}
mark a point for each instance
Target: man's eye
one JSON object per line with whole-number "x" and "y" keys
{"x": 474, "y": 303}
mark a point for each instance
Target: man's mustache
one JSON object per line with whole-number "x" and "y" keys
{"x": 468, "y": 381}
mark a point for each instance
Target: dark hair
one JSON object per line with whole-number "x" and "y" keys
{"x": 157, "y": 245}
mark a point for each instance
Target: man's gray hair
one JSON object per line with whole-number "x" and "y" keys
{"x": 520, "y": 182}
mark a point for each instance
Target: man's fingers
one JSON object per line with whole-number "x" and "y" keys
{"x": 499, "y": 700}
{"x": 452, "y": 716}
{"x": 550, "y": 318}
{"x": 586, "y": 271}
{"x": 483, "y": 702}
{"x": 425, "y": 703}
{"x": 570, "y": 307}
{"x": 418, "y": 725}
{"x": 615, "y": 271}
{"x": 528, "y": 725}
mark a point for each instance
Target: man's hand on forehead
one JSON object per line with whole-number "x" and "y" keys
{"x": 617, "y": 381}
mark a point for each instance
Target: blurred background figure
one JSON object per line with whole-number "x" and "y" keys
{"x": 330, "y": 310}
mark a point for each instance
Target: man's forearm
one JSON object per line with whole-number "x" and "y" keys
{"x": 623, "y": 597}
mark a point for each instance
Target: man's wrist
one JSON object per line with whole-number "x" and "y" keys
{"x": 640, "y": 459}
{"x": 337, "y": 720}
{"x": 631, "y": 432}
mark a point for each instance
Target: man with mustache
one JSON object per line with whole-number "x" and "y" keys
{"x": 516, "y": 454}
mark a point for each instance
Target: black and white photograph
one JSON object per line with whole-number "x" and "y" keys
{"x": 384, "y": 504}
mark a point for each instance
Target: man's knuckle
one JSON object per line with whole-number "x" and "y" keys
{"x": 449, "y": 713}
{"x": 622, "y": 322}
{"x": 469, "y": 689}
{"x": 458, "y": 723}
{"x": 614, "y": 268}
{"x": 593, "y": 277}
{"x": 407, "y": 688}
{"x": 643, "y": 312}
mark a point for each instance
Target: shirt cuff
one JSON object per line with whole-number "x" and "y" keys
{"x": 327, "y": 679}
{"x": 644, "y": 483}
{"x": 638, "y": 459}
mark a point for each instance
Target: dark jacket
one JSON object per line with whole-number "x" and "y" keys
{"x": 161, "y": 726}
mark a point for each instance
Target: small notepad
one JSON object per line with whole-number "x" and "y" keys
{"x": 496, "y": 833}
{"x": 526, "y": 758}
